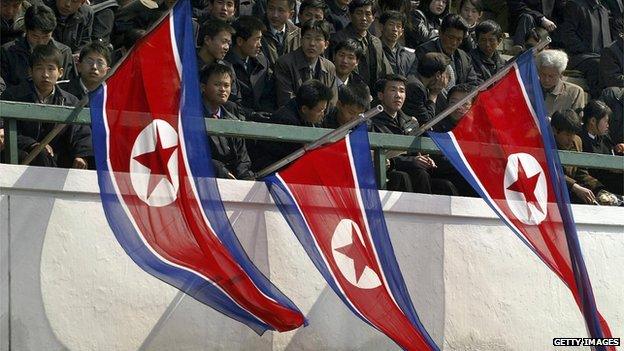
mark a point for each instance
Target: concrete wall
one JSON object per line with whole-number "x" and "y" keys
{"x": 65, "y": 283}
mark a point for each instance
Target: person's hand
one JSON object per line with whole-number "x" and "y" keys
{"x": 79, "y": 163}
{"x": 425, "y": 161}
{"x": 1, "y": 139}
{"x": 584, "y": 194}
{"x": 548, "y": 24}
{"x": 619, "y": 148}
{"x": 47, "y": 149}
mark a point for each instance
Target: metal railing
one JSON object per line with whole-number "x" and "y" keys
{"x": 380, "y": 143}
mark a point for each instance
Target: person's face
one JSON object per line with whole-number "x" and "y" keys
{"x": 450, "y": 40}
{"x": 603, "y": 125}
{"x": 315, "y": 114}
{"x": 393, "y": 96}
{"x": 461, "y": 110}
{"x": 219, "y": 45}
{"x": 311, "y": 13}
{"x": 347, "y": 113}
{"x": 36, "y": 37}
{"x": 345, "y": 62}
{"x": 362, "y": 18}
{"x": 392, "y": 31}
{"x": 470, "y": 13}
{"x": 488, "y": 42}
{"x": 343, "y": 3}
{"x": 93, "y": 68}
{"x": 223, "y": 9}
{"x": 250, "y": 47}
{"x": 278, "y": 13}
{"x": 565, "y": 140}
{"x": 45, "y": 74}
{"x": 216, "y": 90}
{"x": 68, "y": 7}
{"x": 9, "y": 9}
{"x": 437, "y": 6}
{"x": 313, "y": 44}
{"x": 549, "y": 77}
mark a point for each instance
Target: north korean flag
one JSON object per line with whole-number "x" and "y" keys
{"x": 330, "y": 200}
{"x": 504, "y": 147}
{"x": 157, "y": 186}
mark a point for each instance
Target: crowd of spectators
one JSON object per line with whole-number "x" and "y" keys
{"x": 320, "y": 63}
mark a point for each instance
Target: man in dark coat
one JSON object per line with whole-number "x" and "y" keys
{"x": 93, "y": 66}
{"x": 612, "y": 64}
{"x": 71, "y": 148}
{"x": 254, "y": 75}
{"x": 392, "y": 29}
{"x": 586, "y": 32}
{"x": 452, "y": 32}
{"x": 281, "y": 35}
{"x": 374, "y": 63}
{"x": 353, "y": 99}
{"x": 485, "y": 58}
{"x": 39, "y": 22}
{"x": 103, "y": 20}
{"x": 12, "y": 19}
{"x": 229, "y": 154}
{"x": 614, "y": 98}
{"x": 305, "y": 63}
{"x": 307, "y": 109}
{"x": 526, "y": 15}
{"x": 74, "y": 22}
{"x": 339, "y": 13}
{"x": 424, "y": 88}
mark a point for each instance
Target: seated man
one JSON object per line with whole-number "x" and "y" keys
{"x": 305, "y": 63}
{"x": 612, "y": 64}
{"x": 74, "y": 20}
{"x": 71, "y": 148}
{"x": 614, "y": 98}
{"x": 281, "y": 36}
{"x": 229, "y": 154}
{"x": 582, "y": 186}
{"x": 347, "y": 55}
{"x": 306, "y": 109}
{"x": 313, "y": 9}
{"x": 595, "y": 138}
{"x": 224, "y": 10}
{"x": 39, "y": 23}
{"x": 254, "y": 76}
{"x": 485, "y": 59}
{"x": 392, "y": 29}
{"x": 353, "y": 99}
{"x": 426, "y": 86}
{"x": 559, "y": 95}
{"x": 93, "y": 66}
{"x": 216, "y": 38}
{"x": 11, "y": 20}
{"x": 391, "y": 94}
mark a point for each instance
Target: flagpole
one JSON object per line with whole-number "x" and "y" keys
{"x": 327, "y": 138}
{"x": 483, "y": 86}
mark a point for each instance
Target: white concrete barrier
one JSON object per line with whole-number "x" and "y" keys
{"x": 65, "y": 282}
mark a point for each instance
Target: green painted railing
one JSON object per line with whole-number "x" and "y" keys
{"x": 380, "y": 143}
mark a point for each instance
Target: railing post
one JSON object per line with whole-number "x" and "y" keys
{"x": 10, "y": 141}
{"x": 379, "y": 156}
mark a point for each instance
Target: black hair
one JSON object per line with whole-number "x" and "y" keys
{"x": 314, "y": 4}
{"x": 40, "y": 17}
{"x": 392, "y": 16}
{"x": 356, "y": 4}
{"x": 356, "y": 94}
{"x": 98, "y": 48}
{"x": 432, "y": 63}
{"x": 351, "y": 45}
{"x": 312, "y": 92}
{"x": 245, "y": 26}
{"x": 489, "y": 26}
{"x": 319, "y": 26}
{"x": 46, "y": 53}
{"x": 402, "y": 6}
{"x": 476, "y": 3}
{"x": 215, "y": 69}
{"x": 566, "y": 121}
{"x": 235, "y": 3}
{"x": 423, "y": 6}
{"x": 380, "y": 85}
{"x": 460, "y": 88}
{"x": 595, "y": 109}
{"x": 454, "y": 21}
{"x": 213, "y": 27}
{"x": 291, "y": 4}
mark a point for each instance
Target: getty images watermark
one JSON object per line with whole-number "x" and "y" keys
{"x": 586, "y": 342}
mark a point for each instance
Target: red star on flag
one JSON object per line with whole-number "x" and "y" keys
{"x": 526, "y": 186}
{"x": 157, "y": 161}
{"x": 357, "y": 252}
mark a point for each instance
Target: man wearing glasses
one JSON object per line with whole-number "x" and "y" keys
{"x": 93, "y": 65}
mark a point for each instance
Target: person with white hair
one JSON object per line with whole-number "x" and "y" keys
{"x": 558, "y": 94}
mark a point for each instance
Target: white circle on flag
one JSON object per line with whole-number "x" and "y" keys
{"x": 155, "y": 189}
{"x": 344, "y": 235}
{"x": 525, "y": 187}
